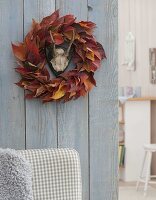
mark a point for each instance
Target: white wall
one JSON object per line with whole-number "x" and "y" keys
{"x": 142, "y": 23}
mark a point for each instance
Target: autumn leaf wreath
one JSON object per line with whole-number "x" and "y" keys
{"x": 56, "y": 42}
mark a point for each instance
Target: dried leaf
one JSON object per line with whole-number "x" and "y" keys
{"x": 59, "y": 93}
{"x": 68, "y": 20}
{"x": 90, "y": 55}
{"x": 33, "y": 53}
{"x": 58, "y": 38}
{"x": 49, "y": 19}
{"x": 87, "y": 24}
{"x": 40, "y": 91}
{"x": 19, "y": 51}
{"x": 101, "y": 50}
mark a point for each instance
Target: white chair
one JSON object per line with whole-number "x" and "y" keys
{"x": 149, "y": 149}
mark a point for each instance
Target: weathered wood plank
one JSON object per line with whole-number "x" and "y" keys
{"x": 103, "y": 105}
{"x": 73, "y": 116}
{"x": 12, "y": 114}
{"x": 41, "y": 126}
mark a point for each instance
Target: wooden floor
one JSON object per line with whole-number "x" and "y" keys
{"x": 127, "y": 191}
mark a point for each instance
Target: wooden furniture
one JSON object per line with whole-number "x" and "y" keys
{"x": 137, "y": 119}
{"x": 149, "y": 150}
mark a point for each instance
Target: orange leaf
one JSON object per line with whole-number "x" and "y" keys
{"x": 19, "y": 51}
{"x": 88, "y": 85}
{"x": 35, "y": 26}
{"x": 90, "y": 55}
{"x": 69, "y": 35}
{"x": 58, "y": 38}
{"x": 59, "y": 93}
{"x": 87, "y": 24}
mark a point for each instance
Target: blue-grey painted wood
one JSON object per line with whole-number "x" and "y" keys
{"x": 103, "y": 105}
{"x": 12, "y": 113}
{"x": 89, "y": 124}
{"x": 41, "y": 126}
{"x": 73, "y": 116}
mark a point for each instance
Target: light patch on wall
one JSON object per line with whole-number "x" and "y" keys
{"x": 152, "y": 59}
{"x": 129, "y": 55}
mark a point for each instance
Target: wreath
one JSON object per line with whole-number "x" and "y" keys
{"x": 60, "y": 43}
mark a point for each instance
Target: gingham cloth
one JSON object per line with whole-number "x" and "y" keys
{"x": 56, "y": 174}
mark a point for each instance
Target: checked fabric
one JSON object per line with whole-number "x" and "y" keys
{"x": 56, "y": 174}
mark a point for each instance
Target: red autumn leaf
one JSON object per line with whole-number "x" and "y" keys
{"x": 79, "y": 28}
{"x": 22, "y": 70}
{"x": 88, "y": 85}
{"x": 68, "y": 20}
{"x": 83, "y": 77}
{"x": 80, "y": 52}
{"x": 86, "y": 66}
{"x": 87, "y": 24}
{"x": 91, "y": 78}
{"x": 58, "y": 22}
{"x": 89, "y": 82}
{"x": 43, "y": 33}
{"x": 55, "y": 27}
{"x": 22, "y": 83}
{"x": 45, "y": 73}
{"x": 33, "y": 53}
{"x": 29, "y": 96}
{"x": 91, "y": 66}
{"x": 49, "y": 19}
{"x": 69, "y": 28}
{"x": 98, "y": 54}
{"x": 77, "y": 59}
{"x": 82, "y": 92}
{"x": 35, "y": 26}
{"x": 32, "y": 87}
{"x": 81, "y": 40}
{"x": 19, "y": 51}
{"x": 58, "y": 38}
{"x": 30, "y": 67}
{"x": 69, "y": 35}
{"x": 101, "y": 50}
{"x": 40, "y": 91}
{"x": 96, "y": 62}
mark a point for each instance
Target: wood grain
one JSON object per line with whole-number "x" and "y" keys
{"x": 12, "y": 113}
{"x": 142, "y": 99}
{"x": 103, "y": 105}
{"x": 73, "y": 116}
{"x": 41, "y": 125}
{"x": 89, "y": 124}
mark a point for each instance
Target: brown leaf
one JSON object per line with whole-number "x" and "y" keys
{"x": 101, "y": 50}
{"x": 40, "y": 91}
{"x": 59, "y": 93}
{"x": 68, "y": 20}
{"x": 49, "y": 19}
{"x": 58, "y": 38}
{"x": 87, "y": 24}
{"x": 19, "y": 51}
{"x": 33, "y": 53}
{"x": 90, "y": 54}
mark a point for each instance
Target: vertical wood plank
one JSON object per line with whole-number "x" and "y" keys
{"x": 103, "y": 105}
{"x": 12, "y": 113}
{"x": 41, "y": 126}
{"x": 73, "y": 116}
